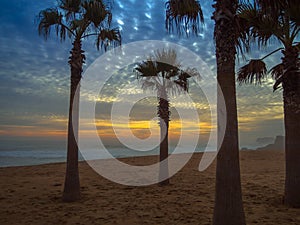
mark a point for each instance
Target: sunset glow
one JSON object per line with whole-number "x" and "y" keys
{"x": 35, "y": 84}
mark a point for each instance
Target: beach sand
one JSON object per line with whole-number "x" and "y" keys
{"x": 32, "y": 195}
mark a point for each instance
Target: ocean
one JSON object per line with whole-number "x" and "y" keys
{"x": 25, "y": 152}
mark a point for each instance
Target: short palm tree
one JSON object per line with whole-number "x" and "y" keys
{"x": 281, "y": 22}
{"x": 162, "y": 73}
{"x": 77, "y": 20}
{"x": 186, "y": 15}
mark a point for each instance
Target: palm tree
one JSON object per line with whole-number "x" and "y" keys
{"x": 281, "y": 22}
{"x": 77, "y": 20}
{"x": 228, "y": 200}
{"x": 185, "y": 14}
{"x": 162, "y": 73}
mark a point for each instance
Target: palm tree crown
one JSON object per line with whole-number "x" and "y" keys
{"x": 79, "y": 19}
{"x": 281, "y": 22}
{"x": 162, "y": 71}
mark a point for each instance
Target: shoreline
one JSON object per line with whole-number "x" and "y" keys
{"x": 81, "y": 159}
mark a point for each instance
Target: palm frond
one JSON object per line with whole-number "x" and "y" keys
{"x": 147, "y": 69}
{"x": 277, "y": 71}
{"x": 247, "y": 16}
{"x": 168, "y": 56}
{"x": 243, "y": 27}
{"x": 253, "y": 72}
{"x": 76, "y": 24}
{"x": 293, "y": 12}
{"x": 108, "y": 37}
{"x": 147, "y": 74}
{"x": 186, "y": 15}
{"x": 191, "y": 72}
{"x": 71, "y": 7}
{"x": 183, "y": 81}
{"x": 183, "y": 78}
{"x": 260, "y": 26}
{"x": 96, "y": 12}
{"x": 274, "y": 6}
{"x": 167, "y": 69}
{"x": 277, "y": 84}
{"x": 271, "y": 5}
{"x": 49, "y": 18}
{"x": 266, "y": 28}
{"x": 166, "y": 61}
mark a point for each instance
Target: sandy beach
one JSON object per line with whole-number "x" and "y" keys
{"x": 32, "y": 195}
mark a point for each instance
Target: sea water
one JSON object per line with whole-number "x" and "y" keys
{"x": 23, "y": 152}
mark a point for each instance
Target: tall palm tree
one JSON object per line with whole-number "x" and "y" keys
{"x": 162, "y": 73}
{"x": 77, "y": 20}
{"x": 281, "y": 22}
{"x": 185, "y": 14}
{"x": 228, "y": 200}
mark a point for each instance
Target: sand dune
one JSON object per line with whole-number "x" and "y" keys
{"x": 32, "y": 195}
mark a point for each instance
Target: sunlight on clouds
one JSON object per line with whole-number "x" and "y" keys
{"x": 36, "y": 126}
{"x": 120, "y": 22}
{"x": 251, "y": 120}
{"x": 30, "y": 131}
{"x": 175, "y": 126}
{"x": 35, "y": 77}
{"x": 189, "y": 105}
{"x": 257, "y": 105}
{"x": 148, "y": 15}
{"x": 150, "y": 4}
{"x": 104, "y": 99}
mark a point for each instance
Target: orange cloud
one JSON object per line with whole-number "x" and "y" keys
{"x": 30, "y": 131}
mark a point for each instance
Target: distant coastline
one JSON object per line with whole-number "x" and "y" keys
{"x": 278, "y": 144}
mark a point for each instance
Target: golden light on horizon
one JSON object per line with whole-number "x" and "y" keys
{"x": 31, "y": 131}
{"x": 56, "y": 125}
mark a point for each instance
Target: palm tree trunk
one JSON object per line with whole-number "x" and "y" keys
{"x": 163, "y": 113}
{"x": 72, "y": 186}
{"x": 228, "y": 208}
{"x": 291, "y": 98}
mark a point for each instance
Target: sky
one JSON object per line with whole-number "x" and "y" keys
{"x": 34, "y": 76}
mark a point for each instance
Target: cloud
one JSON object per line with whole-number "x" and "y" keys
{"x": 34, "y": 75}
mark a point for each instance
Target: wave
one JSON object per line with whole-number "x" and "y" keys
{"x": 24, "y": 157}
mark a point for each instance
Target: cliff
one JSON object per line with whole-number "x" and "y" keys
{"x": 277, "y": 145}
